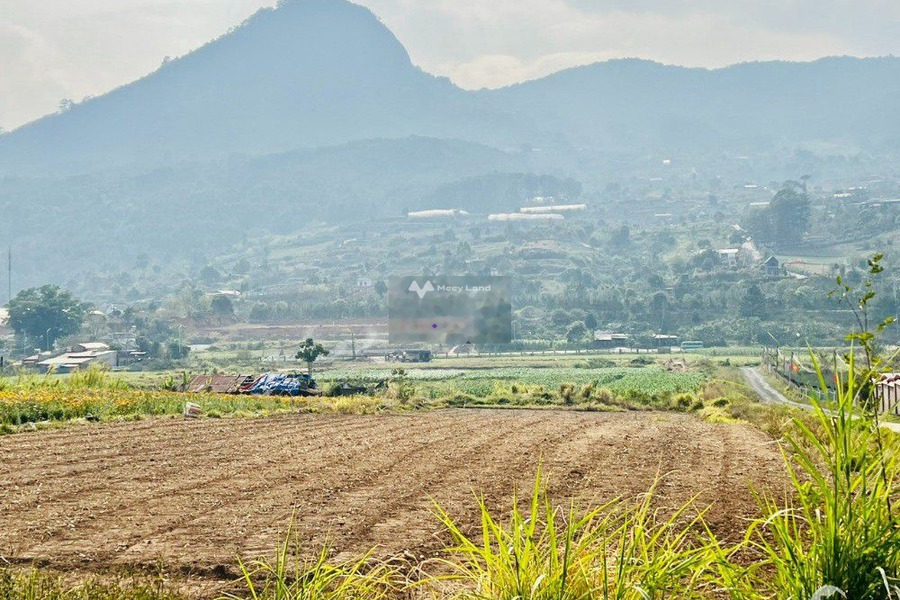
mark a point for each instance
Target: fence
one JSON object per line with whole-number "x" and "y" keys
{"x": 787, "y": 365}
{"x": 804, "y": 377}
{"x": 887, "y": 391}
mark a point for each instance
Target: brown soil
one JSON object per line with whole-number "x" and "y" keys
{"x": 194, "y": 495}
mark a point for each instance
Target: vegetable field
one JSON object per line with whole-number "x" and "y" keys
{"x": 100, "y": 396}
{"x": 649, "y": 382}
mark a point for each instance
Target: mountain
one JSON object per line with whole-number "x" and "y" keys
{"x": 310, "y": 73}
{"x": 841, "y": 104}
{"x": 315, "y": 73}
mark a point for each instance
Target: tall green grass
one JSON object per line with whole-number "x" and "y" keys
{"x": 614, "y": 551}
{"x": 95, "y": 377}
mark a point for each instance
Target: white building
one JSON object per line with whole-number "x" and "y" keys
{"x": 553, "y": 209}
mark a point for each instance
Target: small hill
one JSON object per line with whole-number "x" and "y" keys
{"x": 63, "y": 226}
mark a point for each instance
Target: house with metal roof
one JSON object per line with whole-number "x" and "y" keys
{"x": 80, "y": 356}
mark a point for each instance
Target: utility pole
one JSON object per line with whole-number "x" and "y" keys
{"x": 9, "y": 274}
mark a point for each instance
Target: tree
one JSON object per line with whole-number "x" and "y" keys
{"x": 381, "y": 288}
{"x": 577, "y": 333}
{"x": 210, "y": 275}
{"x": 309, "y": 352}
{"x": 142, "y": 261}
{"x": 621, "y": 237}
{"x": 759, "y": 223}
{"x": 790, "y": 214}
{"x": 708, "y": 260}
{"x": 222, "y": 306}
{"x": 753, "y": 304}
{"x": 46, "y": 313}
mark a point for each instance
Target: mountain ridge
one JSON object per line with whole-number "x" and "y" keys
{"x": 314, "y": 73}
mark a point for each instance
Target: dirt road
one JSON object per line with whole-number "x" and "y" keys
{"x": 765, "y": 391}
{"x": 193, "y": 495}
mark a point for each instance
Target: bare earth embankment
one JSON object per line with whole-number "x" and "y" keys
{"x": 194, "y": 495}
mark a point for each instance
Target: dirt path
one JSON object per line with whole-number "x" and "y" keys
{"x": 193, "y": 495}
{"x": 765, "y": 391}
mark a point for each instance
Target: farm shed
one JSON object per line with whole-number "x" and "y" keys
{"x": 525, "y": 217}
{"x": 666, "y": 341}
{"x": 78, "y": 357}
{"x": 607, "y": 340}
{"x": 729, "y": 256}
{"x": 438, "y": 213}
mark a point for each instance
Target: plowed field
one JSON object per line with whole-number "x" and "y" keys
{"x": 194, "y": 495}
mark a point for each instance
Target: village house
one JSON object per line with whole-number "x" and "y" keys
{"x": 772, "y": 267}
{"x": 729, "y": 257}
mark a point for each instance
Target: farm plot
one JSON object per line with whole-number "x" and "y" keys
{"x": 650, "y": 382}
{"x": 193, "y": 495}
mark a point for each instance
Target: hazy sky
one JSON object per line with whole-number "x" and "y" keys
{"x": 54, "y": 49}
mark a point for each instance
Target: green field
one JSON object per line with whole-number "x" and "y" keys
{"x": 649, "y": 381}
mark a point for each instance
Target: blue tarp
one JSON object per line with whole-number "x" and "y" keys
{"x": 277, "y": 384}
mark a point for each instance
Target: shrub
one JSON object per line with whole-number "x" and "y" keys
{"x": 400, "y": 387}
{"x": 567, "y": 393}
{"x": 587, "y": 391}
{"x": 604, "y": 396}
{"x": 683, "y": 402}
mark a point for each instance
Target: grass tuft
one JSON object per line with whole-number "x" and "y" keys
{"x": 288, "y": 577}
{"x": 615, "y": 550}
